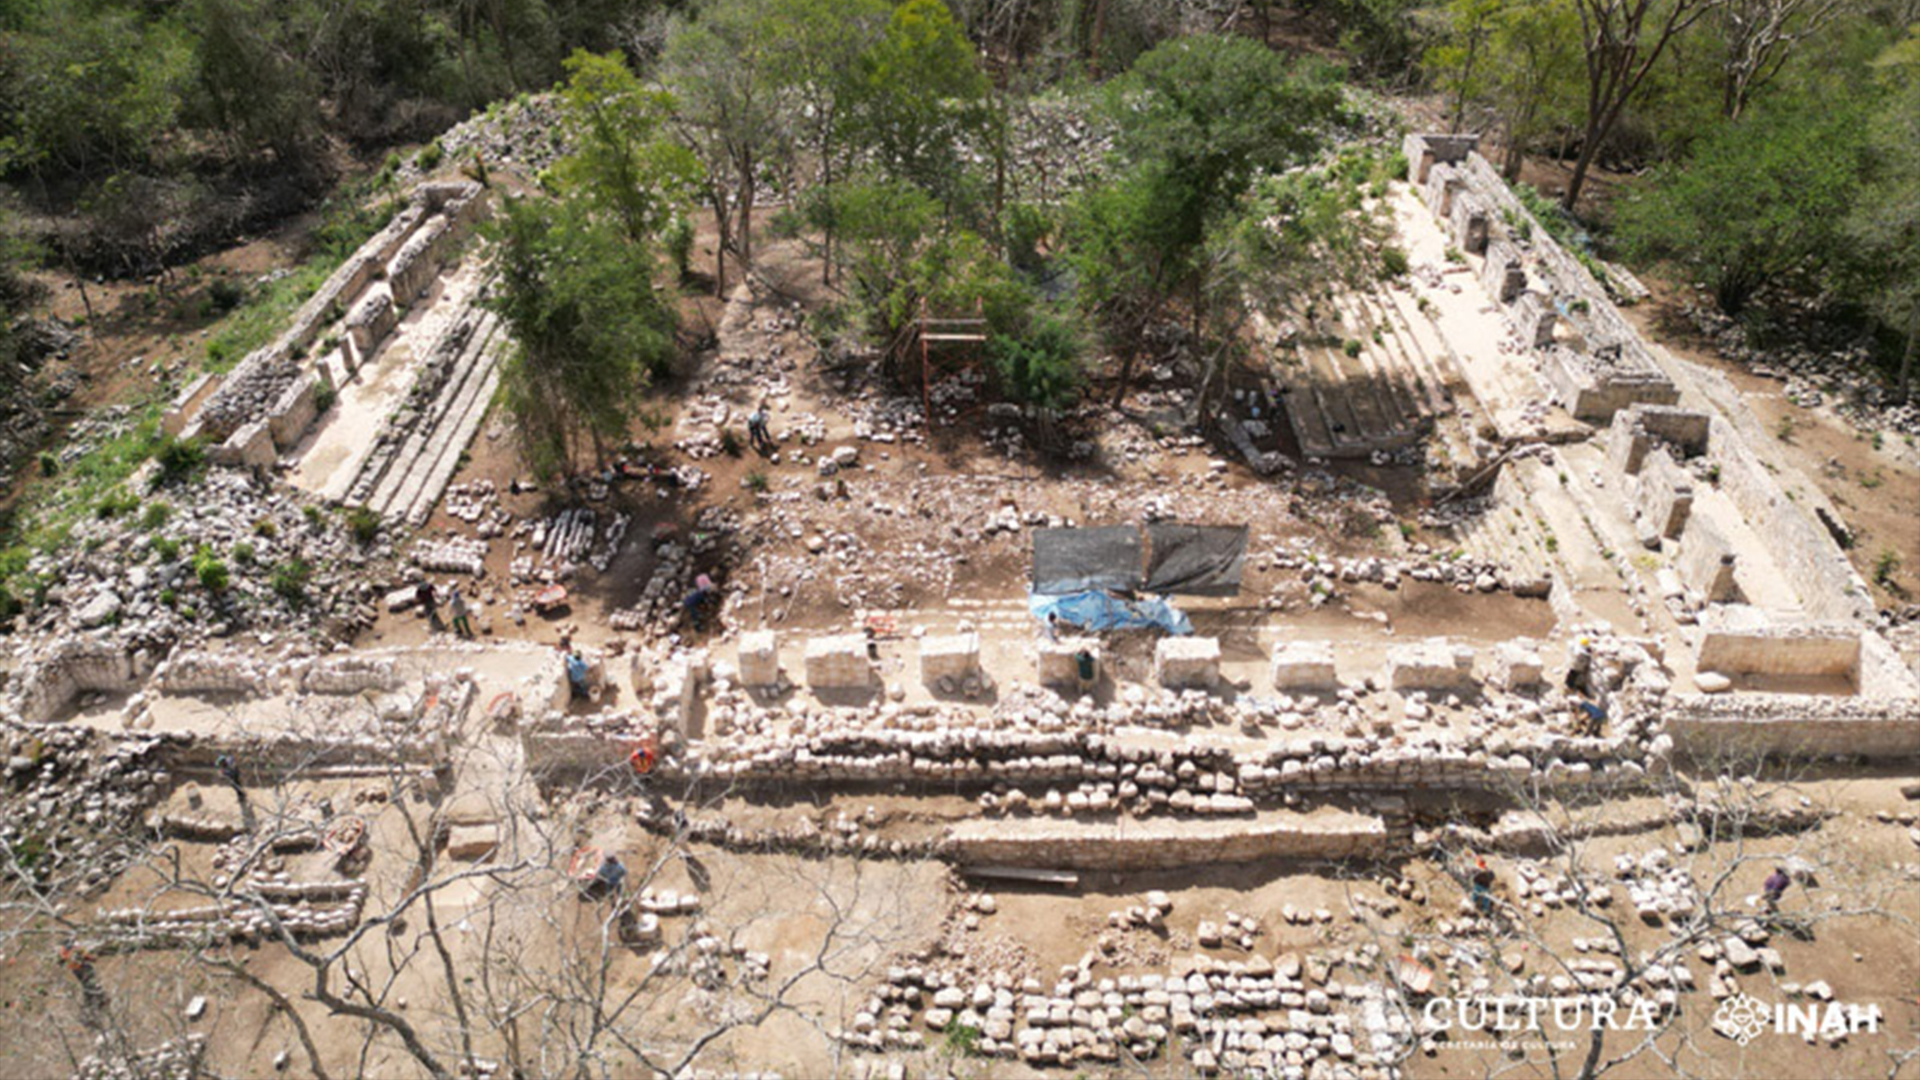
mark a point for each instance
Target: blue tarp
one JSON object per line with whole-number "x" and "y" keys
{"x": 1099, "y": 610}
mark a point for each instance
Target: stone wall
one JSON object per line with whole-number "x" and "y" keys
{"x": 48, "y": 683}
{"x": 1731, "y": 730}
{"x": 1734, "y": 648}
{"x": 1133, "y": 845}
{"x": 953, "y": 657}
{"x": 1638, "y": 429}
{"x": 1182, "y": 662}
{"x": 1430, "y": 665}
{"x": 1706, "y": 563}
{"x": 1824, "y": 582}
{"x": 1304, "y": 665}
{"x": 1663, "y": 495}
{"x": 759, "y": 658}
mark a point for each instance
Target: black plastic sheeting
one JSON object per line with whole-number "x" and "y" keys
{"x": 1075, "y": 560}
{"x": 1196, "y": 560}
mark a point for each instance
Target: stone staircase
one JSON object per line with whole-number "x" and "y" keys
{"x": 403, "y": 478}
{"x": 1384, "y": 396}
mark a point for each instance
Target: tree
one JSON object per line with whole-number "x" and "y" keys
{"x": 590, "y": 328}
{"x": 1757, "y": 201}
{"x": 1885, "y": 221}
{"x": 920, "y": 91}
{"x": 817, "y": 68}
{"x": 622, "y": 162}
{"x": 1760, "y": 35}
{"x": 1458, "y": 59}
{"x": 1533, "y": 68}
{"x": 1196, "y": 120}
{"x": 1621, "y": 41}
{"x": 718, "y": 62}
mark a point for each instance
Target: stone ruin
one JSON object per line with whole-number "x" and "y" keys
{"x": 264, "y": 406}
{"x": 1589, "y": 356}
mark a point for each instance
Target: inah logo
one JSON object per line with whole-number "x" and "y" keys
{"x": 1742, "y": 1017}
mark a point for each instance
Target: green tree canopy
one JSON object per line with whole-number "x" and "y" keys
{"x": 589, "y": 327}
{"x": 1758, "y": 201}
{"x": 920, "y": 91}
{"x": 623, "y": 163}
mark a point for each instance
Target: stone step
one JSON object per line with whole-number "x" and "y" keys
{"x": 419, "y": 453}
{"x": 1389, "y": 373}
{"x": 371, "y": 470}
{"x": 467, "y": 426}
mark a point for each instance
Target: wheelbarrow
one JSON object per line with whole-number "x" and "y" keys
{"x": 550, "y": 599}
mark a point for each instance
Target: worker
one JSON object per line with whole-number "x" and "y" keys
{"x": 1590, "y": 716}
{"x": 1052, "y": 627}
{"x": 229, "y": 769}
{"x": 757, "y": 430}
{"x": 1775, "y": 887}
{"x": 611, "y": 876}
{"x": 642, "y": 759}
{"x": 697, "y": 600}
{"x": 577, "y": 675}
{"x": 80, "y": 962}
{"x": 1083, "y": 669}
{"x": 423, "y": 595}
{"x": 457, "y": 607}
{"x": 1482, "y": 884}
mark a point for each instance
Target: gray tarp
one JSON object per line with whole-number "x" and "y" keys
{"x": 1075, "y": 560}
{"x": 1196, "y": 560}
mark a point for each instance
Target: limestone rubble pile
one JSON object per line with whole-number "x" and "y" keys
{"x": 143, "y": 584}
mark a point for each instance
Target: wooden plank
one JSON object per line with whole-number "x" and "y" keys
{"x": 1018, "y": 873}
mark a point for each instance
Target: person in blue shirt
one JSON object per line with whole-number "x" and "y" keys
{"x": 577, "y": 672}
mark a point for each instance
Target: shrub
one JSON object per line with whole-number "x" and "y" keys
{"x": 210, "y": 570}
{"x": 266, "y": 527}
{"x": 180, "y": 459}
{"x": 1394, "y": 262}
{"x": 1885, "y": 567}
{"x": 167, "y": 548}
{"x": 289, "y": 580}
{"x": 1351, "y": 347}
{"x": 115, "y": 503}
{"x": 155, "y": 515}
{"x": 49, "y": 465}
{"x": 730, "y": 443}
{"x": 313, "y": 514}
{"x": 430, "y": 156}
{"x": 756, "y": 481}
{"x": 323, "y": 400}
{"x": 363, "y": 523}
{"x": 243, "y": 553}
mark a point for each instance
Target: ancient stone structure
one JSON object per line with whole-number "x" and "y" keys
{"x": 1183, "y": 662}
{"x": 278, "y": 385}
{"x": 1304, "y": 665}
{"x": 838, "y": 662}
{"x": 759, "y": 658}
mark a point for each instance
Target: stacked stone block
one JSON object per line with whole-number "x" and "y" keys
{"x": 1430, "y": 665}
{"x": 1187, "y": 662}
{"x": 953, "y": 657}
{"x": 838, "y": 662}
{"x": 1058, "y": 665}
{"x": 759, "y": 658}
{"x": 1304, "y": 665}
